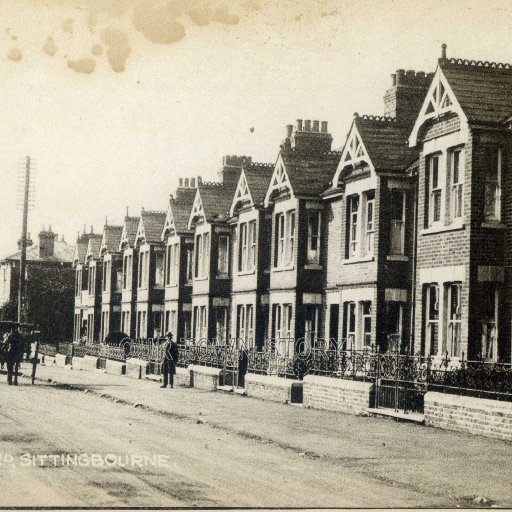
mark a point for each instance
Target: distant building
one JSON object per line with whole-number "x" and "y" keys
{"x": 49, "y": 290}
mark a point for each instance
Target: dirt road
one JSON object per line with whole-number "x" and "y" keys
{"x": 203, "y": 465}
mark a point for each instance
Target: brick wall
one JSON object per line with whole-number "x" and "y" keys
{"x": 202, "y": 377}
{"x": 274, "y": 389}
{"x": 489, "y": 418}
{"x": 337, "y": 394}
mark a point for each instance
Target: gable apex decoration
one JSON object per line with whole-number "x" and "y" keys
{"x": 279, "y": 182}
{"x": 197, "y": 211}
{"x": 140, "y": 237}
{"x": 440, "y": 100}
{"x": 242, "y": 194}
{"x": 169, "y": 226}
{"x": 354, "y": 151}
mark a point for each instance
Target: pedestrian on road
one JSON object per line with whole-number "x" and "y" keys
{"x": 169, "y": 359}
{"x": 14, "y": 355}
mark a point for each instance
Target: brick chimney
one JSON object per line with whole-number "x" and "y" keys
{"x": 231, "y": 166}
{"x": 46, "y": 243}
{"x": 405, "y": 97}
{"x": 308, "y": 137}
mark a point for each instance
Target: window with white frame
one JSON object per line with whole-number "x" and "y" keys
{"x": 127, "y": 271}
{"x": 223, "y": 256}
{"x": 493, "y": 173}
{"x": 247, "y": 246}
{"x": 92, "y": 280}
{"x": 202, "y": 251}
{"x": 159, "y": 269}
{"x": 168, "y": 259}
{"x": 190, "y": 264}
{"x": 455, "y": 158}
{"x": 172, "y": 264}
{"x": 366, "y": 324}
{"x": 284, "y": 239}
{"x": 369, "y": 226}
{"x": 78, "y": 281}
{"x": 397, "y": 232}
{"x": 282, "y": 322}
{"x": 200, "y": 327}
{"x": 353, "y": 225}
{"x": 105, "y": 277}
{"x": 245, "y": 325}
{"x": 454, "y": 317}
{"x": 311, "y": 323}
{"x": 432, "y": 319}
{"x": 435, "y": 189}
{"x": 314, "y": 230}
{"x": 349, "y": 328}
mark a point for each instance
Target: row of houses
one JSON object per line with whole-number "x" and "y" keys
{"x": 401, "y": 239}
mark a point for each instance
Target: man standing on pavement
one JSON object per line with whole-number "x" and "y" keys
{"x": 169, "y": 359}
{"x": 14, "y": 352}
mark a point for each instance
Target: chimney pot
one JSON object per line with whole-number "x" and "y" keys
{"x": 186, "y": 182}
{"x": 289, "y": 130}
{"x": 324, "y": 126}
{"x": 192, "y": 183}
{"x": 443, "y": 51}
{"x": 199, "y": 181}
{"x": 399, "y": 76}
{"x": 307, "y": 125}
{"x": 393, "y": 79}
{"x": 180, "y": 182}
{"x": 299, "y": 125}
{"x": 316, "y": 125}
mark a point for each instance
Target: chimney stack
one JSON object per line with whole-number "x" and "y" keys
{"x": 316, "y": 126}
{"x": 46, "y": 243}
{"x": 307, "y": 125}
{"x": 310, "y": 138}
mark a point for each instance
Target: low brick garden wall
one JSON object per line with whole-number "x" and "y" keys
{"x": 204, "y": 377}
{"x": 136, "y": 368}
{"x": 275, "y": 389}
{"x": 339, "y": 395}
{"x": 480, "y": 416}
{"x": 115, "y": 367}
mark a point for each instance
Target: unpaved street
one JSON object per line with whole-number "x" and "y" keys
{"x": 223, "y": 463}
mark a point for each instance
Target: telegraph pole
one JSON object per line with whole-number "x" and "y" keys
{"x": 23, "y": 254}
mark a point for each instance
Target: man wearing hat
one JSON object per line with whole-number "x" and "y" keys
{"x": 170, "y": 356}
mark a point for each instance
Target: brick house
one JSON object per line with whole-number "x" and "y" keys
{"x": 179, "y": 260}
{"x": 370, "y": 224}
{"x": 111, "y": 280}
{"x": 250, "y": 265}
{"x": 304, "y": 168}
{"x": 150, "y": 274}
{"x": 208, "y": 219}
{"x": 49, "y": 285}
{"x": 129, "y": 277}
{"x": 463, "y": 138}
{"x": 81, "y": 283}
{"x": 91, "y": 296}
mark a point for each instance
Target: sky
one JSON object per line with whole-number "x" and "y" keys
{"x": 114, "y": 100}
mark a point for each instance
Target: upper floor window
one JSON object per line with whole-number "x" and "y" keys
{"x": 143, "y": 269}
{"x": 314, "y": 229}
{"x": 493, "y": 172}
{"x": 369, "y": 223}
{"x": 92, "y": 279}
{"x": 353, "y": 220}
{"x": 106, "y": 276}
{"x": 190, "y": 264}
{"x": 127, "y": 271}
{"x": 223, "y": 257}
{"x": 456, "y": 183}
{"x": 202, "y": 251}
{"x": 159, "y": 269}
{"x": 397, "y": 233}
{"x": 284, "y": 238}
{"x": 247, "y": 246}
{"x": 78, "y": 281}
{"x": 119, "y": 280}
{"x": 172, "y": 265}
{"x": 435, "y": 189}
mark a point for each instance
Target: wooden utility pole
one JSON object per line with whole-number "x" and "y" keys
{"x": 23, "y": 253}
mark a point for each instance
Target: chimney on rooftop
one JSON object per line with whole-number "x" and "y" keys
{"x": 308, "y": 137}
{"x": 231, "y": 167}
{"x": 46, "y": 243}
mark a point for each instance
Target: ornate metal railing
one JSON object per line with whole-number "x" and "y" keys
{"x": 47, "y": 349}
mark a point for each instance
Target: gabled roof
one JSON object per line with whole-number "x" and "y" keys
{"x": 150, "y": 228}
{"x": 129, "y": 233}
{"x": 111, "y": 238}
{"x": 93, "y": 247}
{"x": 82, "y": 243}
{"x": 252, "y": 185}
{"x": 178, "y": 211}
{"x": 62, "y": 253}
{"x": 304, "y": 174}
{"x": 212, "y": 202}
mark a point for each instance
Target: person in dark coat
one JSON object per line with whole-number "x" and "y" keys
{"x": 170, "y": 356}
{"x": 14, "y": 355}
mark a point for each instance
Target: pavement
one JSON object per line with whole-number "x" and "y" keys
{"x": 231, "y": 450}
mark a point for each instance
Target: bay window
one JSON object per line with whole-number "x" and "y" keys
{"x": 457, "y": 183}
{"x": 353, "y": 220}
{"x": 202, "y": 251}
{"x": 284, "y": 239}
{"x": 247, "y": 246}
{"x": 435, "y": 189}
{"x": 369, "y": 222}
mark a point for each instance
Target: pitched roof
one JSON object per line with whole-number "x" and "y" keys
{"x": 62, "y": 253}
{"x": 181, "y": 205}
{"x": 310, "y": 174}
{"x": 258, "y": 177}
{"x": 129, "y": 233}
{"x": 216, "y": 199}
{"x": 386, "y": 142}
{"x": 111, "y": 238}
{"x": 93, "y": 248}
{"x": 151, "y": 225}
{"x": 82, "y": 243}
{"x": 483, "y": 89}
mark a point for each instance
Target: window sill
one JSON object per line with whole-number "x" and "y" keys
{"x": 455, "y": 226}
{"x": 313, "y": 266}
{"x": 283, "y": 269}
{"x": 222, "y": 276}
{"x": 200, "y": 279}
{"x": 246, "y": 272}
{"x": 171, "y": 286}
{"x": 397, "y": 257}
{"x": 360, "y": 259}
{"x": 490, "y": 224}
